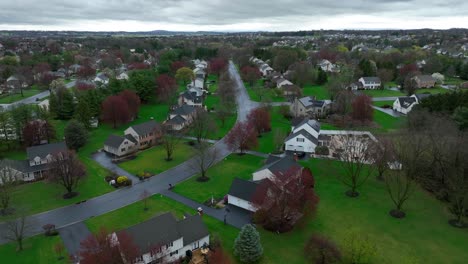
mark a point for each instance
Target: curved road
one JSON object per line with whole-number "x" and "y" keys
{"x": 71, "y": 214}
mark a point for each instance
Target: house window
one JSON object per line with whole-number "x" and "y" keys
{"x": 122, "y": 149}
{"x": 299, "y": 139}
{"x": 174, "y": 253}
{"x": 196, "y": 245}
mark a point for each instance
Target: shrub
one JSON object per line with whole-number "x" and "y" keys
{"x": 322, "y": 150}
{"x": 320, "y": 250}
{"x": 49, "y": 230}
{"x": 121, "y": 180}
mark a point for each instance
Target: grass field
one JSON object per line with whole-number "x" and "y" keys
{"x": 319, "y": 91}
{"x": 221, "y": 176}
{"x": 386, "y": 122}
{"x": 382, "y": 103}
{"x": 154, "y": 159}
{"x": 16, "y": 97}
{"x": 38, "y": 249}
{"x": 269, "y": 94}
{"x": 382, "y": 93}
{"x": 436, "y": 90}
{"x": 266, "y": 142}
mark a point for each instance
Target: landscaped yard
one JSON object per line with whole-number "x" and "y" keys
{"x": 38, "y": 249}
{"x": 386, "y": 122}
{"x": 154, "y": 159}
{"x": 319, "y": 91}
{"x": 221, "y": 176}
{"x": 268, "y": 94}
{"x": 382, "y": 93}
{"x": 382, "y": 103}
{"x": 16, "y": 97}
{"x": 435, "y": 90}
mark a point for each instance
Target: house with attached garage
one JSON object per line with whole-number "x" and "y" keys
{"x": 190, "y": 98}
{"x": 275, "y": 164}
{"x": 180, "y": 117}
{"x": 304, "y": 137}
{"x": 370, "y": 82}
{"x": 424, "y": 81}
{"x": 37, "y": 163}
{"x": 164, "y": 239}
{"x": 405, "y": 104}
{"x": 135, "y": 138}
{"x": 280, "y": 82}
{"x": 242, "y": 193}
{"x": 310, "y": 107}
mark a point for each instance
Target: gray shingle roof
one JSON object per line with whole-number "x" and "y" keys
{"x": 192, "y": 96}
{"x": 114, "y": 141}
{"x": 192, "y": 229}
{"x": 371, "y": 79}
{"x": 243, "y": 189}
{"x": 146, "y": 128}
{"x": 311, "y": 122}
{"x": 183, "y": 110}
{"x": 305, "y": 134}
{"x": 406, "y": 101}
{"x": 425, "y": 78}
{"x": 422, "y": 97}
{"x": 280, "y": 165}
{"x": 43, "y": 150}
{"x": 176, "y": 120}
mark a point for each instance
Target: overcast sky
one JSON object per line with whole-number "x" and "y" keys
{"x": 230, "y": 15}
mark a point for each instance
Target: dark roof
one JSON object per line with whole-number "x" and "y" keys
{"x": 22, "y": 165}
{"x": 371, "y": 79}
{"x": 281, "y": 165}
{"x": 114, "y": 141}
{"x": 312, "y": 123}
{"x": 243, "y": 189}
{"x": 192, "y": 229}
{"x": 296, "y": 121}
{"x": 165, "y": 228}
{"x": 271, "y": 159}
{"x": 422, "y": 96}
{"x": 192, "y": 96}
{"x": 183, "y": 110}
{"x": 305, "y": 134}
{"x": 146, "y": 128}
{"x": 425, "y": 78}
{"x": 43, "y": 150}
{"x": 131, "y": 138}
{"x": 406, "y": 101}
{"x": 176, "y": 120}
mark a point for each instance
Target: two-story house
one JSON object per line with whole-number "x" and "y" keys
{"x": 370, "y": 82}
{"x": 180, "y": 117}
{"x": 309, "y": 107}
{"x": 405, "y": 104}
{"x": 304, "y": 137}
{"x": 163, "y": 238}
{"x": 275, "y": 164}
{"x": 424, "y": 81}
{"x": 190, "y": 98}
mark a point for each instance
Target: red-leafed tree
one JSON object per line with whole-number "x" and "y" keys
{"x": 41, "y": 68}
{"x": 217, "y": 255}
{"x": 217, "y": 65}
{"x": 408, "y": 69}
{"x": 133, "y": 102}
{"x": 260, "y": 119}
{"x": 85, "y": 86}
{"x": 115, "y": 111}
{"x": 362, "y": 109}
{"x": 242, "y": 137}
{"x": 138, "y": 66}
{"x": 282, "y": 200}
{"x": 320, "y": 250}
{"x": 47, "y": 78}
{"x": 250, "y": 74}
{"x": 166, "y": 87}
{"x": 176, "y": 65}
{"x": 38, "y": 132}
{"x": 104, "y": 248}
{"x": 86, "y": 72}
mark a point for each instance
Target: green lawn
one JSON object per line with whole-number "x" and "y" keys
{"x": 382, "y": 103}
{"x": 270, "y": 94}
{"x": 38, "y": 249}
{"x": 16, "y": 97}
{"x": 435, "y": 90}
{"x": 382, "y": 93}
{"x": 386, "y": 122}
{"x": 453, "y": 80}
{"x": 154, "y": 159}
{"x": 222, "y": 130}
{"x": 221, "y": 176}
{"x": 266, "y": 141}
{"x": 319, "y": 91}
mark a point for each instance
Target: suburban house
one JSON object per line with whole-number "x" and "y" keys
{"x": 265, "y": 69}
{"x": 190, "y": 98}
{"x": 122, "y": 76}
{"x": 275, "y": 164}
{"x": 135, "y": 138}
{"x": 280, "y": 82}
{"x": 15, "y": 82}
{"x": 424, "y": 81}
{"x": 101, "y": 79}
{"x": 309, "y": 107}
{"x": 37, "y": 163}
{"x": 241, "y": 194}
{"x": 370, "y": 82}
{"x": 163, "y": 238}
{"x": 291, "y": 90}
{"x": 327, "y": 66}
{"x": 405, "y": 104}
{"x": 180, "y": 117}
{"x": 304, "y": 137}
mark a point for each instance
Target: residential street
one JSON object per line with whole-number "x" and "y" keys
{"x": 33, "y": 99}
{"x": 68, "y": 215}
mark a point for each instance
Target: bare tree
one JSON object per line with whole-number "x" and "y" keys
{"x": 145, "y": 195}
{"x": 382, "y": 150}
{"x": 170, "y": 140}
{"x": 67, "y": 170}
{"x": 17, "y": 229}
{"x": 400, "y": 187}
{"x": 8, "y": 179}
{"x": 205, "y": 157}
{"x": 202, "y": 125}
{"x": 355, "y": 157}
{"x": 278, "y": 138}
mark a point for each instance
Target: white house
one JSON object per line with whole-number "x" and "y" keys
{"x": 122, "y": 76}
{"x": 241, "y": 194}
{"x": 180, "y": 117}
{"x": 120, "y": 146}
{"x": 101, "y": 78}
{"x": 281, "y": 82}
{"x": 163, "y": 239}
{"x": 274, "y": 165}
{"x": 370, "y": 82}
{"x": 327, "y": 66}
{"x": 405, "y": 104}
{"x": 265, "y": 69}
{"x": 190, "y": 98}
{"x": 303, "y": 137}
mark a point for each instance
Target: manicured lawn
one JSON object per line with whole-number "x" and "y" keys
{"x": 221, "y": 176}
{"x": 266, "y": 141}
{"x": 269, "y": 95}
{"x": 435, "y": 90}
{"x": 382, "y": 103}
{"x": 382, "y": 93}
{"x": 38, "y": 249}
{"x": 134, "y": 214}
{"x": 16, "y": 97}
{"x": 319, "y": 91}
{"x": 212, "y": 87}
{"x": 386, "y": 122}
{"x": 222, "y": 130}
{"x": 328, "y": 126}
{"x": 453, "y": 80}
{"x": 154, "y": 159}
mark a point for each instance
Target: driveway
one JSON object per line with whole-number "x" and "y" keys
{"x": 33, "y": 99}
{"x": 106, "y": 161}
{"x": 73, "y": 235}
{"x": 67, "y": 215}
{"x": 389, "y": 98}
{"x": 387, "y": 111}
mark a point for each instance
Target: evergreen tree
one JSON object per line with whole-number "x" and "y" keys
{"x": 61, "y": 104}
{"x": 83, "y": 112}
{"x": 322, "y": 77}
{"x": 76, "y": 135}
{"x": 247, "y": 245}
